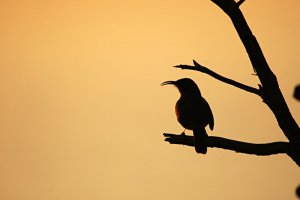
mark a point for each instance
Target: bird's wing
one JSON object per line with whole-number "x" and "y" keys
{"x": 211, "y": 119}
{"x": 208, "y": 114}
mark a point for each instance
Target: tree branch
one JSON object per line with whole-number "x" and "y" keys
{"x": 205, "y": 70}
{"x": 233, "y": 145}
{"x": 271, "y": 92}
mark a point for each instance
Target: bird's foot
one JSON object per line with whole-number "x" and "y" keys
{"x": 183, "y": 132}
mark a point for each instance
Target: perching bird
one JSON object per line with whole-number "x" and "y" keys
{"x": 193, "y": 111}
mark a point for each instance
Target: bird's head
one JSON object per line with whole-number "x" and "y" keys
{"x": 185, "y": 86}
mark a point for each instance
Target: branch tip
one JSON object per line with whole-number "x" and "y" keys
{"x": 197, "y": 64}
{"x": 240, "y": 3}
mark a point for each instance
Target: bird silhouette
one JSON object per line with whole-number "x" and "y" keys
{"x": 193, "y": 111}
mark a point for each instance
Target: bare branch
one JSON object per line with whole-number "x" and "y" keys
{"x": 237, "y": 146}
{"x": 205, "y": 70}
{"x": 270, "y": 88}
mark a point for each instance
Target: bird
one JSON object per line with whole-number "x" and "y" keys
{"x": 192, "y": 111}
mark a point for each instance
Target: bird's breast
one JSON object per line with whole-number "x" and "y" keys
{"x": 184, "y": 113}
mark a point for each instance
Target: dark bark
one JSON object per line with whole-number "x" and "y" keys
{"x": 219, "y": 77}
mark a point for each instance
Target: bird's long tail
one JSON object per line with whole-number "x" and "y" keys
{"x": 200, "y": 137}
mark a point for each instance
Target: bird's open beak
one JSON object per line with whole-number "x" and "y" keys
{"x": 168, "y": 82}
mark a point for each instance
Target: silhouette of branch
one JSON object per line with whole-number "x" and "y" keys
{"x": 297, "y": 93}
{"x": 269, "y": 88}
{"x": 205, "y": 70}
{"x": 237, "y": 146}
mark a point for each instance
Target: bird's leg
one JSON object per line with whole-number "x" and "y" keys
{"x": 183, "y": 132}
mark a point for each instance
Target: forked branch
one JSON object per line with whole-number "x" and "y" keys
{"x": 270, "y": 88}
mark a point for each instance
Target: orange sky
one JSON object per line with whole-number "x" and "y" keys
{"x": 83, "y": 112}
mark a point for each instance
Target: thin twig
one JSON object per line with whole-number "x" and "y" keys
{"x": 240, "y": 3}
{"x": 205, "y": 70}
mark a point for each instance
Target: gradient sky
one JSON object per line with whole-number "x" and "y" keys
{"x": 83, "y": 112}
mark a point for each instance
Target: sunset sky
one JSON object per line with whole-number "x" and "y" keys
{"x": 83, "y": 113}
